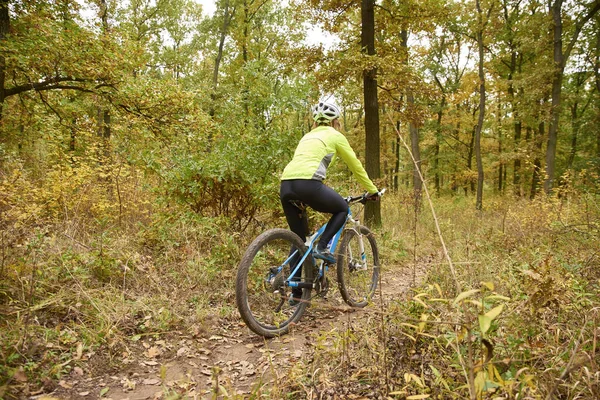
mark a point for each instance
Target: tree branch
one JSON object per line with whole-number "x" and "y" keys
{"x": 48, "y": 84}
{"x": 595, "y": 7}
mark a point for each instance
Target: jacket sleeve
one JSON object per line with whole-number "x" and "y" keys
{"x": 346, "y": 153}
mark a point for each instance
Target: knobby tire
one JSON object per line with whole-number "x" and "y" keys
{"x": 257, "y": 304}
{"x": 357, "y": 286}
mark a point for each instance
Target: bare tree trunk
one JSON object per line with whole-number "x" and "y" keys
{"x": 436, "y": 149}
{"x": 597, "y": 75}
{"x": 372, "y": 209}
{"x": 470, "y": 159}
{"x": 481, "y": 23}
{"x": 415, "y": 149}
{"x": 413, "y": 129}
{"x": 537, "y": 162}
{"x": 575, "y": 125}
{"x": 4, "y": 27}
{"x": 103, "y": 112}
{"x": 227, "y": 16}
{"x": 397, "y": 166}
{"x": 560, "y": 58}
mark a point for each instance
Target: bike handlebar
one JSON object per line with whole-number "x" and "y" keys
{"x": 363, "y": 198}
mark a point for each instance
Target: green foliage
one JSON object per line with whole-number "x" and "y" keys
{"x": 133, "y": 173}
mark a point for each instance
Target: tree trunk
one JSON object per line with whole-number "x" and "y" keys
{"x": 223, "y": 35}
{"x": 470, "y": 160}
{"x": 372, "y": 209}
{"x": 416, "y": 152}
{"x": 597, "y": 75}
{"x": 501, "y": 171}
{"x": 557, "y": 79}
{"x": 575, "y": 125}
{"x": 479, "y": 201}
{"x": 560, "y": 59}
{"x": 4, "y": 27}
{"x": 413, "y": 130}
{"x": 103, "y": 112}
{"x": 537, "y": 162}
{"x": 436, "y": 149}
{"x": 397, "y": 166}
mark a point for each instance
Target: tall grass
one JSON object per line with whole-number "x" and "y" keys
{"x": 524, "y": 326}
{"x": 84, "y": 272}
{"x": 80, "y": 277}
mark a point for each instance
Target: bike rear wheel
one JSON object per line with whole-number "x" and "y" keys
{"x": 358, "y": 272}
{"x": 261, "y": 294}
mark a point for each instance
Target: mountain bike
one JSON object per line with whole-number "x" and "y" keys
{"x": 278, "y": 261}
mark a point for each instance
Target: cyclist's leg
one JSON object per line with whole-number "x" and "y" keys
{"x": 325, "y": 199}
{"x": 295, "y": 217}
{"x": 298, "y": 223}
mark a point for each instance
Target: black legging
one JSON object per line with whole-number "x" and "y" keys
{"x": 317, "y": 196}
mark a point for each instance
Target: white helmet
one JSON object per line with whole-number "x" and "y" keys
{"x": 325, "y": 112}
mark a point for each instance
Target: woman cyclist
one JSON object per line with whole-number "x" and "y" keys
{"x": 302, "y": 180}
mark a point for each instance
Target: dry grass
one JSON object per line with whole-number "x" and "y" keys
{"x": 537, "y": 262}
{"x": 84, "y": 280}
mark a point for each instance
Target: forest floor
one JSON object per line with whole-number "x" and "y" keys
{"x": 230, "y": 361}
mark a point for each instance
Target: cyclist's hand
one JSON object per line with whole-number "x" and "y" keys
{"x": 373, "y": 196}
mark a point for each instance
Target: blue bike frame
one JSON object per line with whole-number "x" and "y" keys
{"x": 310, "y": 243}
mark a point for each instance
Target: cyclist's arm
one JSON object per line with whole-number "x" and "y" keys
{"x": 347, "y": 154}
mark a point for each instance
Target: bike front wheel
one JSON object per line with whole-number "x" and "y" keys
{"x": 358, "y": 268}
{"x": 262, "y": 296}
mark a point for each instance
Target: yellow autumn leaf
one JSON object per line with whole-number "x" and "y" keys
{"x": 464, "y": 295}
{"x": 494, "y": 312}
{"x": 484, "y": 323}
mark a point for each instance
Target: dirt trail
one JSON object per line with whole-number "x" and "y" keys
{"x": 234, "y": 358}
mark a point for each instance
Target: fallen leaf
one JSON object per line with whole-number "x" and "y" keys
{"x": 83, "y": 394}
{"x": 79, "y": 351}
{"x": 20, "y": 375}
{"x": 65, "y": 385}
{"x": 182, "y": 351}
{"x": 153, "y": 352}
{"x": 128, "y": 385}
{"x": 150, "y": 363}
{"x": 151, "y": 381}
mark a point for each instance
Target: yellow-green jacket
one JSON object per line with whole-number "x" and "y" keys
{"x": 317, "y": 150}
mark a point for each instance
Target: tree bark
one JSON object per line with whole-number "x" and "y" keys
{"x": 227, "y": 16}
{"x": 397, "y": 154}
{"x": 372, "y": 163}
{"x": 479, "y": 200}
{"x": 413, "y": 130}
{"x": 537, "y": 162}
{"x": 103, "y": 112}
{"x": 4, "y": 27}
{"x": 560, "y": 58}
{"x": 436, "y": 149}
{"x": 470, "y": 152}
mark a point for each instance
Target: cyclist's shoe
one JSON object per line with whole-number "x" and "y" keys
{"x": 295, "y": 299}
{"x": 324, "y": 254}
